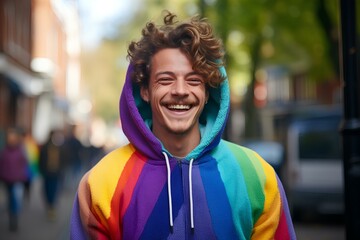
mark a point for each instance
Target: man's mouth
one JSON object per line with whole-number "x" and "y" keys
{"x": 179, "y": 107}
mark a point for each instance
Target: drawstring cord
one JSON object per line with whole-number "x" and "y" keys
{"x": 169, "y": 188}
{"x": 191, "y": 195}
{"x": 169, "y": 192}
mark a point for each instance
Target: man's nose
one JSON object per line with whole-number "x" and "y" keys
{"x": 180, "y": 87}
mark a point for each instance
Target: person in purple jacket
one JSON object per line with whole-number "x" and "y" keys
{"x": 176, "y": 178}
{"x": 13, "y": 171}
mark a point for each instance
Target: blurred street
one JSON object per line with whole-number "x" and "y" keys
{"x": 320, "y": 228}
{"x": 34, "y": 223}
{"x": 316, "y": 231}
{"x": 293, "y": 77}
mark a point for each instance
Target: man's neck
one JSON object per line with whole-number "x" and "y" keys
{"x": 180, "y": 145}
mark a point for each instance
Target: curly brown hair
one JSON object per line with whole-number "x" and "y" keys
{"x": 194, "y": 38}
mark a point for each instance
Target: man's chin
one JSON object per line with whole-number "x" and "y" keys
{"x": 179, "y": 129}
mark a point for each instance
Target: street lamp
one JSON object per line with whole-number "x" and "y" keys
{"x": 350, "y": 127}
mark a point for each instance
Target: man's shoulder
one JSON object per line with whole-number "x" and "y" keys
{"x": 238, "y": 149}
{"x": 255, "y": 170}
{"x": 114, "y": 161}
{"x": 245, "y": 156}
{"x": 108, "y": 170}
{"x": 119, "y": 153}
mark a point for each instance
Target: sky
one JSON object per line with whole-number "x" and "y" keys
{"x": 100, "y": 17}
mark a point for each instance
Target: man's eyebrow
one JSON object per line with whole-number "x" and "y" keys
{"x": 173, "y": 74}
{"x": 192, "y": 73}
{"x": 164, "y": 72}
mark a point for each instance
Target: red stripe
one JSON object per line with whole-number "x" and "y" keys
{"x": 123, "y": 193}
{"x": 282, "y": 232}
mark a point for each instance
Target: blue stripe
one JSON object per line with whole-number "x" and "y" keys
{"x": 237, "y": 189}
{"x": 219, "y": 206}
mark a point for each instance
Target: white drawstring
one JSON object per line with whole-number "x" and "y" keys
{"x": 169, "y": 188}
{"x": 169, "y": 192}
{"x": 191, "y": 195}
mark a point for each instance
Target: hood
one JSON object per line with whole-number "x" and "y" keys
{"x": 135, "y": 113}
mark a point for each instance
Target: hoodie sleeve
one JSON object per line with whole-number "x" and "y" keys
{"x": 85, "y": 222}
{"x": 100, "y": 202}
{"x": 275, "y": 221}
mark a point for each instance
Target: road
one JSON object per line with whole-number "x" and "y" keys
{"x": 34, "y": 224}
{"x": 320, "y": 228}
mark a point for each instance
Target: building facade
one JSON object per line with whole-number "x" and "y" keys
{"x": 34, "y": 63}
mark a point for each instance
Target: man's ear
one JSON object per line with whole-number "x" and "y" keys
{"x": 144, "y": 92}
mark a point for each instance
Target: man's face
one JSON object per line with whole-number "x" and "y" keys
{"x": 176, "y": 93}
{"x": 13, "y": 138}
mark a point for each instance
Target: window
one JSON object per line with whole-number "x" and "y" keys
{"x": 320, "y": 140}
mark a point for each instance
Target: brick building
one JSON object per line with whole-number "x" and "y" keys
{"x": 34, "y": 63}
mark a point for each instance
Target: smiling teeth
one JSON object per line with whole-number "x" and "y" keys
{"x": 179, "y": 107}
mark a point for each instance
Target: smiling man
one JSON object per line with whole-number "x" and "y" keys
{"x": 177, "y": 96}
{"x": 177, "y": 179}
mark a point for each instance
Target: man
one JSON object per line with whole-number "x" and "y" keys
{"x": 14, "y": 173}
{"x": 177, "y": 179}
{"x": 51, "y": 167}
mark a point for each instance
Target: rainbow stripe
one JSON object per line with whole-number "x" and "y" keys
{"x": 237, "y": 195}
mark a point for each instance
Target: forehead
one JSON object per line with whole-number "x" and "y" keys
{"x": 170, "y": 59}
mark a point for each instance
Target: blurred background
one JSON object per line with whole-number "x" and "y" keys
{"x": 62, "y": 67}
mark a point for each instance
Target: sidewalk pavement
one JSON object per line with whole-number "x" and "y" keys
{"x": 34, "y": 223}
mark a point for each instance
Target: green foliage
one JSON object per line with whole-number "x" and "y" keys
{"x": 295, "y": 34}
{"x": 104, "y": 78}
{"x": 289, "y": 33}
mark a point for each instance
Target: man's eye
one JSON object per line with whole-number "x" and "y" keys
{"x": 194, "y": 81}
{"x": 165, "y": 80}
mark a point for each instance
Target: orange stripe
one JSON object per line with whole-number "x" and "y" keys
{"x": 123, "y": 192}
{"x": 129, "y": 188}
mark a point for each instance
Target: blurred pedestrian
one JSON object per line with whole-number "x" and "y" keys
{"x": 14, "y": 173}
{"x": 177, "y": 179}
{"x": 72, "y": 154}
{"x": 92, "y": 154}
{"x": 51, "y": 166}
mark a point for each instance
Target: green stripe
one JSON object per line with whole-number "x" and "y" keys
{"x": 254, "y": 177}
{"x": 257, "y": 165}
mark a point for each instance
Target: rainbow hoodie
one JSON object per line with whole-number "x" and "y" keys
{"x": 219, "y": 191}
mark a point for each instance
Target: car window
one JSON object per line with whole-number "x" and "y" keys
{"x": 319, "y": 145}
{"x": 319, "y": 139}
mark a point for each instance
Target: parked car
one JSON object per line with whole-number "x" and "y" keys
{"x": 314, "y": 163}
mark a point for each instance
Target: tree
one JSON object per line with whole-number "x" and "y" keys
{"x": 288, "y": 33}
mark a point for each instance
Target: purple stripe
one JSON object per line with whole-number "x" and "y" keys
{"x": 146, "y": 192}
{"x": 76, "y": 228}
{"x": 285, "y": 208}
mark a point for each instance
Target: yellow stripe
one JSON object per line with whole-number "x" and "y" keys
{"x": 104, "y": 177}
{"x": 266, "y": 225}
